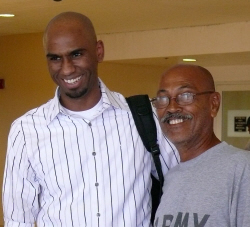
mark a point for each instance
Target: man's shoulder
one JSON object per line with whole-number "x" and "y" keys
{"x": 233, "y": 150}
{"x": 37, "y": 112}
{"x": 234, "y": 154}
{"x": 118, "y": 95}
{"x": 115, "y": 99}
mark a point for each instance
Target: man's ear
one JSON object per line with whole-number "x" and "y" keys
{"x": 215, "y": 103}
{"x": 100, "y": 50}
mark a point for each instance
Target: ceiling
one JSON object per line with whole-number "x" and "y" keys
{"x": 115, "y": 16}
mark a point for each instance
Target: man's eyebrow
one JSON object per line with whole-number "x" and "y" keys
{"x": 49, "y": 55}
{"x": 70, "y": 53}
{"x": 161, "y": 91}
{"x": 180, "y": 88}
{"x": 76, "y": 51}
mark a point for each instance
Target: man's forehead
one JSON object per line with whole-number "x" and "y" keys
{"x": 178, "y": 84}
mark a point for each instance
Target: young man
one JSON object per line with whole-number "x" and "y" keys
{"x": 78, "y": 160}
{"x": 211, "y": 185}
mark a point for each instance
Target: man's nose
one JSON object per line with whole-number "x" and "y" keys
{"x": 173, "y": 105}
{"x": 67, "y": 66}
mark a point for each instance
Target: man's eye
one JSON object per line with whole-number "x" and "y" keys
{"x": 186, "y": 95}
{"x": 54, "y": 58}
{"x": 75, "y": 55}
{"x": 163, "y": 99}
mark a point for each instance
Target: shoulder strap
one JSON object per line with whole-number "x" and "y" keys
{"x": 141, "y": 109}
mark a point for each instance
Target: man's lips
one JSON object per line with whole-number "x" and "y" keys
{"x": 175, "y": 118}
{"x": 73, "y": 81}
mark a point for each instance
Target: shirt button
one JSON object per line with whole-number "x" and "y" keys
{"x": 98, "y": 214}
{"x": 93, "y": 153}
{"x": 90, "y": 124}
{"x": 96, "y": 184}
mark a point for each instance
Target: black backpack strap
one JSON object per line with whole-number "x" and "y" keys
{"x": 141, "y": 109}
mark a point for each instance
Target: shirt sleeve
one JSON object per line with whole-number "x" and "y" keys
{"x": 20, "y": 186}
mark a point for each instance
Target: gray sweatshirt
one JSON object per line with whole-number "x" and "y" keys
{"x": 211, "y": 190}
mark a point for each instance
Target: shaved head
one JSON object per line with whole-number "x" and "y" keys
{"x": 70, "y": 22}
{"x": 73, "y": 54}
{"x": 198, "y": 73}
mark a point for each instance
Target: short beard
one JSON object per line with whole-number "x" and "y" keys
{"x": 77, "y": 94}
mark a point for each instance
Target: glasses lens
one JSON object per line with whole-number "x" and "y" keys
{"x": 161, "y": 102}
{"x": 185, "y": 98}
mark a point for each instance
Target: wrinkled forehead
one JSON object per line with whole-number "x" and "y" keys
{"x": 182, "y": 78}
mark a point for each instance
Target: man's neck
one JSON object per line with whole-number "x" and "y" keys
{"x": 189, "y": 151}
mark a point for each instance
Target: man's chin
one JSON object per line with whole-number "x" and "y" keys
{"x": 175, "y": 139}
{"x": 76, "y": 94}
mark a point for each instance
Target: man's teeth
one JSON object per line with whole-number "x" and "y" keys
{"x": 175, "y": 121}
{"x": 72, "y": 81}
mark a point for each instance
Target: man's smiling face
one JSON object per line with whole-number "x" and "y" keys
{"x": 185, "y": 123}
{"x": 72, "y": 62}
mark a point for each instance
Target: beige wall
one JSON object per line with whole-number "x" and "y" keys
{"x": 130, "y": 79}
{"x": 213, "y": 39}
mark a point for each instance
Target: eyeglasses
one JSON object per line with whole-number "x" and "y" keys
{"x": 182, "y": 99}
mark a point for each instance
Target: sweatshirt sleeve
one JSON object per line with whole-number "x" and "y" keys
{"x": 240, "y": 208}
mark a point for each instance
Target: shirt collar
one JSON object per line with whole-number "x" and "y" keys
{"x": 110, "y": 99}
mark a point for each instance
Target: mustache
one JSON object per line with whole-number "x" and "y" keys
{"x": 169, "y": 116}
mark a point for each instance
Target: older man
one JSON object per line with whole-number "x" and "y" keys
{"x": 211, "y": 185}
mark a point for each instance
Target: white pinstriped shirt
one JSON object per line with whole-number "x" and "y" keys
{"x": 63, "y": 170}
